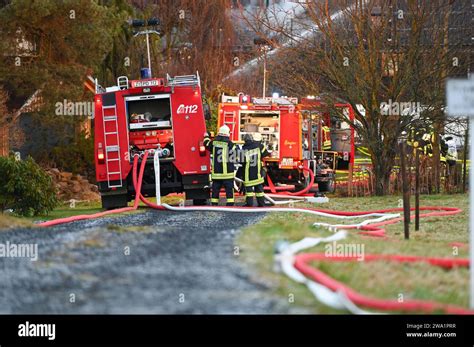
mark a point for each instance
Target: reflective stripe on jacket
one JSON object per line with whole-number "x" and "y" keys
{"x": 223, "y": 150}
{"x": 326, "y": 137}
{"x": 253, "y": 153}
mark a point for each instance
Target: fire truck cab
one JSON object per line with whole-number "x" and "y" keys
{"x": 154, "y": 114}
{"x": 280, "y": 123}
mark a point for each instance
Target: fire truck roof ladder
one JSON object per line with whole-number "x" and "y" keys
{"x": 122, "y": 82}
{"x": 229, "y": 120}
{"x": 111, "y": 140}
{"x": 182, "y": 81}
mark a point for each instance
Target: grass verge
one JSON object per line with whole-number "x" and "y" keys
{"x": 68, "y": 209}
{"x": 379, "y": 279}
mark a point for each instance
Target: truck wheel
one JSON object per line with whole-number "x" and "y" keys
{"x": 200, "y": 202}
{"x": 327, "y": 186}
{"x": 110, "y": 202}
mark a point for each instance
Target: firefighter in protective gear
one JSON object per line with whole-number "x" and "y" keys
{"x": 451, "y": 151}
{"x": 326, "y": 136}
{"x": 426, "y": 140}
{"x": 222, "y": 150}
{"x": 253, "y": 151}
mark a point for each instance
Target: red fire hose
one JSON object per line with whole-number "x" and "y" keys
{"x": 302, "y": 264}
{"x": 106, "y": 213}
{"x": 274, "y": 189}
{"x": 301, "y": 261}
{"x": 374, "y": 230}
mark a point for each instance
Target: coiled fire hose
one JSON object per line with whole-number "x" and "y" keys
{"x": 275, "y": 193}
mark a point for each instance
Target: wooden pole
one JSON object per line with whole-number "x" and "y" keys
{"x": 406, "y": 192}
{"x": 464, "y": 161}
{"x": 349, "y": 181}
{"x": 417, "y": 189}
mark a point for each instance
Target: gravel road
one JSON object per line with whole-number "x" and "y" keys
{"x": 147, "y": 262}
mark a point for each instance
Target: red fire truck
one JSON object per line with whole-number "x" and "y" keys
{"x": 154, "y": 114}
{"x": 280, "y": 123}
{"x": 342, "y": 135}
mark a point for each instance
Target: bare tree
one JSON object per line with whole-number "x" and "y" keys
{"x": 4, "y": 144}
{"x": 390, "y": 57}
{"x": 195, "y": 36}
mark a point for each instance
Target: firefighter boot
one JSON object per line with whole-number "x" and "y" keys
{"x": 249, "y": 201}
{"x": 249, "y": 194}
{"x": 216, "y": 188}
{"x": 260, "y": 195}
{"x": 229, "y": 191}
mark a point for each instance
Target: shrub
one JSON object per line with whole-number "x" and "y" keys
{"x": 76, "y": 157}
{"x": 25, "y": 187}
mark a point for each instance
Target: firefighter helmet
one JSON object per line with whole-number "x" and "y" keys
{"x": 257, "y": 137}
{"x": 224, "y": 130}
{"x": 247, "y": 137}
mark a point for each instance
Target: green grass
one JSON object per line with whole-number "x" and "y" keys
{"x": 379, "y": 279}
{"x": 65, "y": 209}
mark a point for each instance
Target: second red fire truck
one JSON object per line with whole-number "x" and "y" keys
{"x": 293, "y": 134}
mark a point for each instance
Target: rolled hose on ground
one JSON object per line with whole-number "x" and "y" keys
{"x": 299, "y": 193}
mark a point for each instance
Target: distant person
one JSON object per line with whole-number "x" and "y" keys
{"x": 452, "y": 151}
{"x": 326, "y": 135}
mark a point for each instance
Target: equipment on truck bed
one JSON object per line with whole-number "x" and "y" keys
{"x": 330, "y": 132}
{"x": 280, "y": 124}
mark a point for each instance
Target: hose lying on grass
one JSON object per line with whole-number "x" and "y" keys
{"x": 340, "y": 296}
{"x": 302, "y": 264}
{"x": 325, "y": 288}
{"x": 137, "y": 181}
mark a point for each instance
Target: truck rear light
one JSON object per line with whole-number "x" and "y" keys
{"x": 101, "y": 158}
{"x": 100, "y": 153}
{"x": 202, "y": 149}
